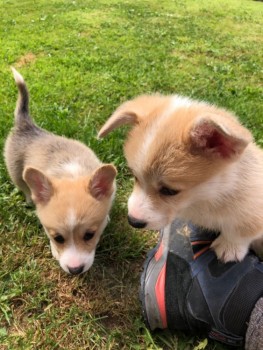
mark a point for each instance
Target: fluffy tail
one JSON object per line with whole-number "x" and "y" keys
{"x": 22, "y": 106}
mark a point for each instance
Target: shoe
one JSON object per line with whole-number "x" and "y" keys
{"x": 185, "y": 287}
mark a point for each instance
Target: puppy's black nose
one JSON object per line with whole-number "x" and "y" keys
{"x": 136, "y": 223}
{"x": 76, "y": 270}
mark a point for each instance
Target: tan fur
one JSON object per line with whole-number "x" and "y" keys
{"x": 72, "y": 190}
{"x": 205, "y": 154}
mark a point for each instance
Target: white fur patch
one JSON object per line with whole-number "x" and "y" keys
{"x": 73, "y": 168}
{"x": 71, "y": 219}
{"x": 179, "y": 102}
{"x": 18, "y": 77}
{"x": 233, "y": 249}
{"x": 150, "y": 136}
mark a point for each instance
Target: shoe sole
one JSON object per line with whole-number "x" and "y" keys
{"x": 152, "y": 297}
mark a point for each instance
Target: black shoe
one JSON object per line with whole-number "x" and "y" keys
{"x": 185, "y": 287}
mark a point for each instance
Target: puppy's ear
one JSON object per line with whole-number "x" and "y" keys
{"x": 122, "y": 116}
{"x": 39, "y": 184}
{"x": 101, "y": 182}
{"x": 132, "y": 112}
{"x": 219, "y": 136}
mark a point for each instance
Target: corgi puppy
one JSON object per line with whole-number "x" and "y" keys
{"x": 71, "y": 189}
{"x": 194, "y": 161}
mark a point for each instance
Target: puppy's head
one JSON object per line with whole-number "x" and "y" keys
{"x": 175, "y": 150}
{"x": 73, "y": 213}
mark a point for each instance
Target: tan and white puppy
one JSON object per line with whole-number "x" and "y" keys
{"x": 194, "y": 161}
{"x": 72, "y": 190}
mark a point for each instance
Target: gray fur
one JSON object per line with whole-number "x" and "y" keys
{"x": 30, "y": 146}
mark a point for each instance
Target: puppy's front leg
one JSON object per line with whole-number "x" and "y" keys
{"x": 231, "y": 247}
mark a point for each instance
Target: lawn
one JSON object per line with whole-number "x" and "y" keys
{"x": 81, "y": 59}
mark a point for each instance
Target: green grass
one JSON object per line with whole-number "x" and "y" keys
{"x": 81, "y": 59}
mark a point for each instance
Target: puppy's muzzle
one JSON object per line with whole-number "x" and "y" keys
{"x": 76, "y": 270}
{"x": 136, "y": 223}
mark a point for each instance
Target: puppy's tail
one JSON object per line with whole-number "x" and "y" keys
{"x": 22, "y": 116}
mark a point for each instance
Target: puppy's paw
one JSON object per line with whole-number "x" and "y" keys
{"x": 227, "y": 251}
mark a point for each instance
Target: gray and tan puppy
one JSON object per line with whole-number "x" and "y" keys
{"x": 72, "y": 190}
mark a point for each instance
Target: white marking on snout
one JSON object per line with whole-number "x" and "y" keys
{"x": 73, "y": 258}
{"x": 140, "y": 207}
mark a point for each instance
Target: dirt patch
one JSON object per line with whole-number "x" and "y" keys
{"x": 26, "y": 59}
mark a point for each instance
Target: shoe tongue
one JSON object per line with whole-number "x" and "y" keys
{"x": 180, "y": 245}
{"x": 189, "y": 241}
{"x": 201, "y": 239}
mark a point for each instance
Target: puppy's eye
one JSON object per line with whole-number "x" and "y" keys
{"x": 165, "y": 191}
{"x": 88, "y": 235}
{"x": 59, "y": 238}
